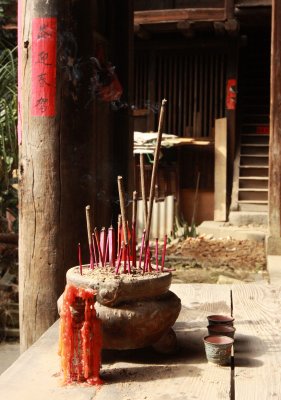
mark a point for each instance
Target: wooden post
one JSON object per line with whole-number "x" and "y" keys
{"x": 229, "y": 9}
{"x": 220, "y": 169}
{"x": 40, "y": 250}
{"x": 274, "y": 242}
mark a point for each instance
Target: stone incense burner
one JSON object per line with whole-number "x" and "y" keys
{"x": 136, "y": 310}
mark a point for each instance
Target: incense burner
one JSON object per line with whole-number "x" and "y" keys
{"x": 136, "y": 310}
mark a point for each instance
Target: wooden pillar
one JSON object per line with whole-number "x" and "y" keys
{"x": 275, "y": 134}
{"x": 40, "y": 251}
{"x": 229, "y": 9}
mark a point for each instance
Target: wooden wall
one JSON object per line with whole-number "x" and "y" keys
{"x": 192, "y": 82}
{"x": 162, "y": 4}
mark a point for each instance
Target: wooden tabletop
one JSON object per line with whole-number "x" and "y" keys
{"x": 146, "y": 375}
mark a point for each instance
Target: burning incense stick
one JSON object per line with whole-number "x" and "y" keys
{"x": 124, "y": 219}
{"x": 143, "y": 192}
{"x": 142, "y": 248}
{"x": 80, "y": 259}
{"x": 134, "y": 224}
{"x": 94, "y": 248}
{"x": 111, "y": 246}
{"x": 156, "y": 254}
{"x": 123, "y": 208}
{"x": 119, "y": 233}
{"x": 119, "y": 258}
{"x": 89, "y": 232}
{"x": 164, "y": 253}
{"x": 103, "y": 241}
{"x": 98, "y": 246}
{"x": 154, "y": 170}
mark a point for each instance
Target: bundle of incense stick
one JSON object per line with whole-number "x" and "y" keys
{"x": 119, "y": 250}
{"x": 102, "y": 245}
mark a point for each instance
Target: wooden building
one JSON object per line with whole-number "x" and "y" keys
{"x": 211, "y": 60}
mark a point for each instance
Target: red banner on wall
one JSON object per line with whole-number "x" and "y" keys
{"x": 44, "y": 58}
{"x": 231, "y": 94}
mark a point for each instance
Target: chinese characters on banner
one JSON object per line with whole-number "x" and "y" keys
{"x": 44, "y": 41}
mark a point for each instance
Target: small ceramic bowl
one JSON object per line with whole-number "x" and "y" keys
{"x": 220, "y": 320}
{"x": 224, "y": 330}
{"x": 218, "y": 349}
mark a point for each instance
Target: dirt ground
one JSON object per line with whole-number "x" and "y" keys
{"x": 209, "y": 260}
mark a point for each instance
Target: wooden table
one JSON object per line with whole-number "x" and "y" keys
{"x": 145, "y": 375}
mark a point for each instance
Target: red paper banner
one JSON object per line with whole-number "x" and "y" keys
{"x": 231, "y": 94}
{"x": 44, "y": 58}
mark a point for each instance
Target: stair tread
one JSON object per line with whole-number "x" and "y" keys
{"x": 255, "y": 124}
{"x": 264, "y": 178}
{"x": 253, "y": 166}
{"x": 253, "y": 155}
{"x": 255, "y": 134}
{"x": 253, "y": 201}
{"x": 255, "y": 144}
{"x": 253, "y": 190}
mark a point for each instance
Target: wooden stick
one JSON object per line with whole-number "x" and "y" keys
{"x": 231, "y": 304}
{"x": 154, "y": 170}
{"x": 89, "y": 232}
{"x": 143, "y": 192}
{"x": 123, "y": 208}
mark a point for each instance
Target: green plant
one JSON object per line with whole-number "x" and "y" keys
{"x": 8, "y": 131}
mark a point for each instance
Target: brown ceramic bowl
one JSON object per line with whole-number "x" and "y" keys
{"x": 224, "y": 330}
{"x": 218, "y": 349}
{"x": 220, "y": 320}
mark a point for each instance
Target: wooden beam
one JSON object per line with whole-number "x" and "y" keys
{"x": 175, "y": 15}
{"x": 253, "y": 3}
{"x": 275, "y": 125}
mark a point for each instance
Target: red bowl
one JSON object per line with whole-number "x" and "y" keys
{"x": 220, "y": 320}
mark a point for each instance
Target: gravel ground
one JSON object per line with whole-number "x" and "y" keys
{"x": 209, "y": 260}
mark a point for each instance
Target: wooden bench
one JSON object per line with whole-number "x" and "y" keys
{"x": 146, "y": 375}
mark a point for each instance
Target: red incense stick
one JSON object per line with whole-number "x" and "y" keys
{"x": 94, "y": 249}
{"x": 142, "y": 248}
{"x": 89, "y": 231}
{"x": 119, "y": 258}
{"x": 98, "y": 245}
{"x": 80, "y": 259}
{"x": 111, "y": 246}
{"x": 156, "y": 254}
{"x": 164, "y": 253}
{"x": 103, "y": 244}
